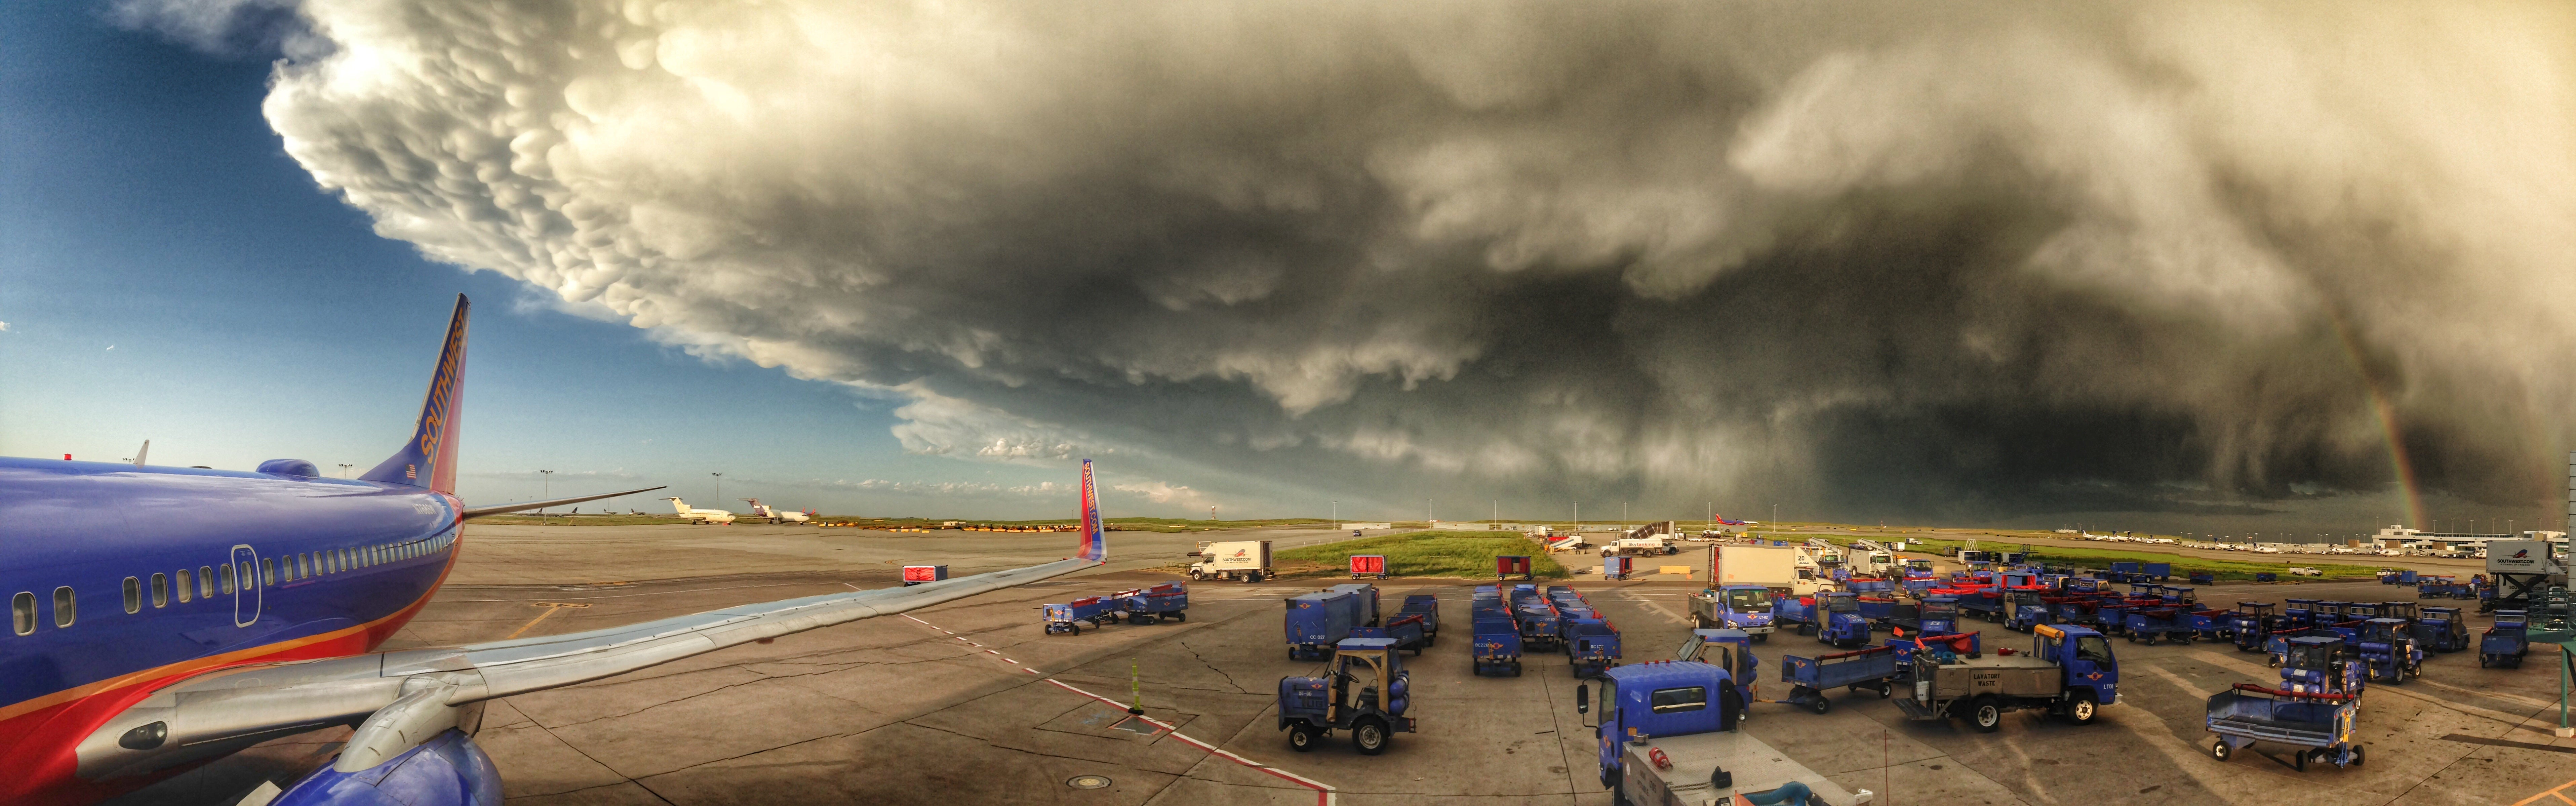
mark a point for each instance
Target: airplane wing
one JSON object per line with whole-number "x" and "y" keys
{"x": 222, "y": 712}
{"x": 523, "y": 506}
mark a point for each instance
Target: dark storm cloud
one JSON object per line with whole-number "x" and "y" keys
{"x": 1978, "y": 260}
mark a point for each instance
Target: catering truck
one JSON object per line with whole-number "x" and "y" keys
{"x": 1668, "y": 736}
{"x": 2070, "y": 671}
{"x": 1247, "y": 560}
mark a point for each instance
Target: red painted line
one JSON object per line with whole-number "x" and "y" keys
{"x": 1324, "y": 795}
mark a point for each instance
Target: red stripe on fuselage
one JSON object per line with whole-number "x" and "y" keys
{"x": 39, "y": 737}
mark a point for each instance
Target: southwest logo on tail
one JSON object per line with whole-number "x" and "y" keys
{"x": 429, "y": 459}
{"x": 1095, "y": 541}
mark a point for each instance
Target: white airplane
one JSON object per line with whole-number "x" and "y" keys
{"x": 775, "y": 516}
{"x": 699, "y": 515}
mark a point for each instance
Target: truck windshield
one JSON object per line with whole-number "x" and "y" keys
{"x": 1842, "y": 604}
{"x": 1609, "y": 698}
{"x": 2094, "y": 648}
{"x": 1747, "y": 599}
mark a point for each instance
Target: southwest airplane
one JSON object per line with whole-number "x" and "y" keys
{"x": 162, "y": 617}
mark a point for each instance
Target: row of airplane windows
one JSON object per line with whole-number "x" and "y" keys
{"x": 210, "y": 581}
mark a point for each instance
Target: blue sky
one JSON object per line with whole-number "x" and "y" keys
{"x": 167, "y": 273}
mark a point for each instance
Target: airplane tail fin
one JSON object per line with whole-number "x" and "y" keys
{"x": 429, "y": 459}
{"x": 139, "y": 453}
{"x": 1095, "y": 537}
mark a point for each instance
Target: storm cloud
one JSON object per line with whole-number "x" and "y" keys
{"x": 1882, "y": 259}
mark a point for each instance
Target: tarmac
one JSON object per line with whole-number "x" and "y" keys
{"x": 971, "y": 702}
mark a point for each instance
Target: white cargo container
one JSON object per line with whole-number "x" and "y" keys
{"x": 1774, "y": 567}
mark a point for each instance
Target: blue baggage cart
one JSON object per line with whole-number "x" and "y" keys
{"x": 2507, "y": 642}
{"x": 1069, "y": 617}
{"x": 1863, "y": 670}
{"x": 1169, "y": 600}
{"x": 2319, "y": 723}
{"x": 1497, "y": 644}
{"x": 2154, "y": 624}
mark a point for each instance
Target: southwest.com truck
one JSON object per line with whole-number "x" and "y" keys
{"x": 1743, "y": 581}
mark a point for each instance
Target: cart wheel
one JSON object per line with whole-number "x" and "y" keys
{"x": 1886, "y": 689}
{"x": 1820, "y": 703}
{"x": 1986, "y": 715}
{"x": 1369, "y": 736}
{"x": 1180, "y": 616}
{"x": 1073, "y": 628}
{"x": 2220, "y": 749}
{"x": 1301, "y": 737}
{"x": 2356, "y": 755}
{"x": 1516, "y": 668}
{"x": 2319, "y": 756}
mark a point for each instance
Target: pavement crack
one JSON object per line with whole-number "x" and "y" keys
{"x": 1203, "y": 661}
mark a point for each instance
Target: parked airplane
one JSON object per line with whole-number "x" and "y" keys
{"x": 699, "y": 515}
{"x": 775, "y": 516}
{"x": 163, "y": 617}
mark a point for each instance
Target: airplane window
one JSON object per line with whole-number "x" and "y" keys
{"x": 133, "y": 595}
{"x": 22, "y": 613}
{"x": 160, "y": 589}
{"x": 205, "y": 582}
{"x": 65, "y": 607}
{"x": 268, "y": 571}
{"x": 225, "y": 579}
{"x": 184, "y": 584}
{"x": 248, "y": 579}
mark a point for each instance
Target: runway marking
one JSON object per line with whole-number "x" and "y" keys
{"x": 1324, "y": 793}
{"x": 2558, "y": 793}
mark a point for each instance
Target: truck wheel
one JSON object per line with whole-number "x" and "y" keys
{"x": 1699, "y": 622}
{"x": 1762, "y": 638}
{"x": 2220, "y": 749}
{"x": 1820, "y": 703}
{"x": 1369, "y": 736}
{"x": 1516, "y": 668}
{"x": 1196, "y": 576}
{"x": 1986, "y": 715}
{"x": 1301, "y": 737}
{"x": 1180, "y": 616}
{"x": 2083, "y": 710}
{"x": 1886, "y": 689}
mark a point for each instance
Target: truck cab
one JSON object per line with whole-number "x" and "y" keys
{"x": 1367, "y": 693}
{"x": 1727, "y": 649}
{"x": 2389, "y": 651}
{"x": 1667, "y": 737}
{"x": 1738, "y": 607}
{"x": 1842, "y": 624}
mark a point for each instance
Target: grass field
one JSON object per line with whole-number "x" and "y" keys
{"x": 2103, "y": 558}
{"x": 1114, "y": 524}
{"x": 580, "y": 520}
{"x": 1468, "y": 554}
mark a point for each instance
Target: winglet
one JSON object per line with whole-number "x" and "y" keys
{"x": 429, "y": 459}
{"x": 1095, "y": 539}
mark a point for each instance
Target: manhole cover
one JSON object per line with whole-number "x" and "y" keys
{"x": 1088, "y": 782}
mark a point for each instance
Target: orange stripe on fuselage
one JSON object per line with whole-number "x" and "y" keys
{"x": 39, "y": 737}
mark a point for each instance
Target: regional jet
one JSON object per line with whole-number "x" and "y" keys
{"x": 699, "y": 515}
{"x": 164, "y": 617}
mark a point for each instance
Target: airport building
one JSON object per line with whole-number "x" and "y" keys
{"x": 2460, "y": 544}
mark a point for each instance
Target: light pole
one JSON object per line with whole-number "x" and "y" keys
{"x": 548, "y": 486}
{"x": 719, "y": 486}
{"x": 1337, "y": 514}
{"x": 344, "y": 470}
{"x": 1427, "y": 522}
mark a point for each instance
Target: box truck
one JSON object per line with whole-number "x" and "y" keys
{"x": 1247, "y": 560}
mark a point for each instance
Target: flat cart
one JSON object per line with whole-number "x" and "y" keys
{"x": 1865, "y": 670}
{"x": 2507, "y": 642}
{"x": 2210, "y": 625}
{"x": 1069, "y": 617}
{"x": 2320, "y": 723}
{"x": 1169, "y": 600}
{"x": 2078, "y": 610}
{"x": 2155, "y": 623}
{"x": 1509, "y": 565}
{"x": 2203, "y": 578}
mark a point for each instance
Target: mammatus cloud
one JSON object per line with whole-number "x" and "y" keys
{"x": 1892, "y": 259}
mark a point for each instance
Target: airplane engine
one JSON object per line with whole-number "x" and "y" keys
{"x": 445, "y": 771}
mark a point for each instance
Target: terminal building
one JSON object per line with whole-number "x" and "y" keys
{"x": 2453, "y": 544}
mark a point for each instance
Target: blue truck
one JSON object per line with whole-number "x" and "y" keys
{"x": 2312, "y": 709}
{"x": 1367, "y": 694}
{"x": 1427, "y": 607}
{"x": 2070, "y": 671}
{"x": 1169, "y": 600}
{"x": 1591, "y": 646}
{"x": 1318, "y": 621}
{"x": 2389, "y": 652}
{"x": 1735, "y": 607}
{"x": 1727, "y": 649}
{"x": 2505, "y": 643}
{"x": 1843, "y": 625}
{"x": 1668, "y": 736}
{"x": 1496, "y": 635}
{"x": 2442, "y": 629}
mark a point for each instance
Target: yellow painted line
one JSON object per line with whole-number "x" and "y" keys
{"x": 2557, "y": 793}
{"x": 550, "y": 607}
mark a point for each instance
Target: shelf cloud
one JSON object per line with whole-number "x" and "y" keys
{"x": 1877, "y": 259}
